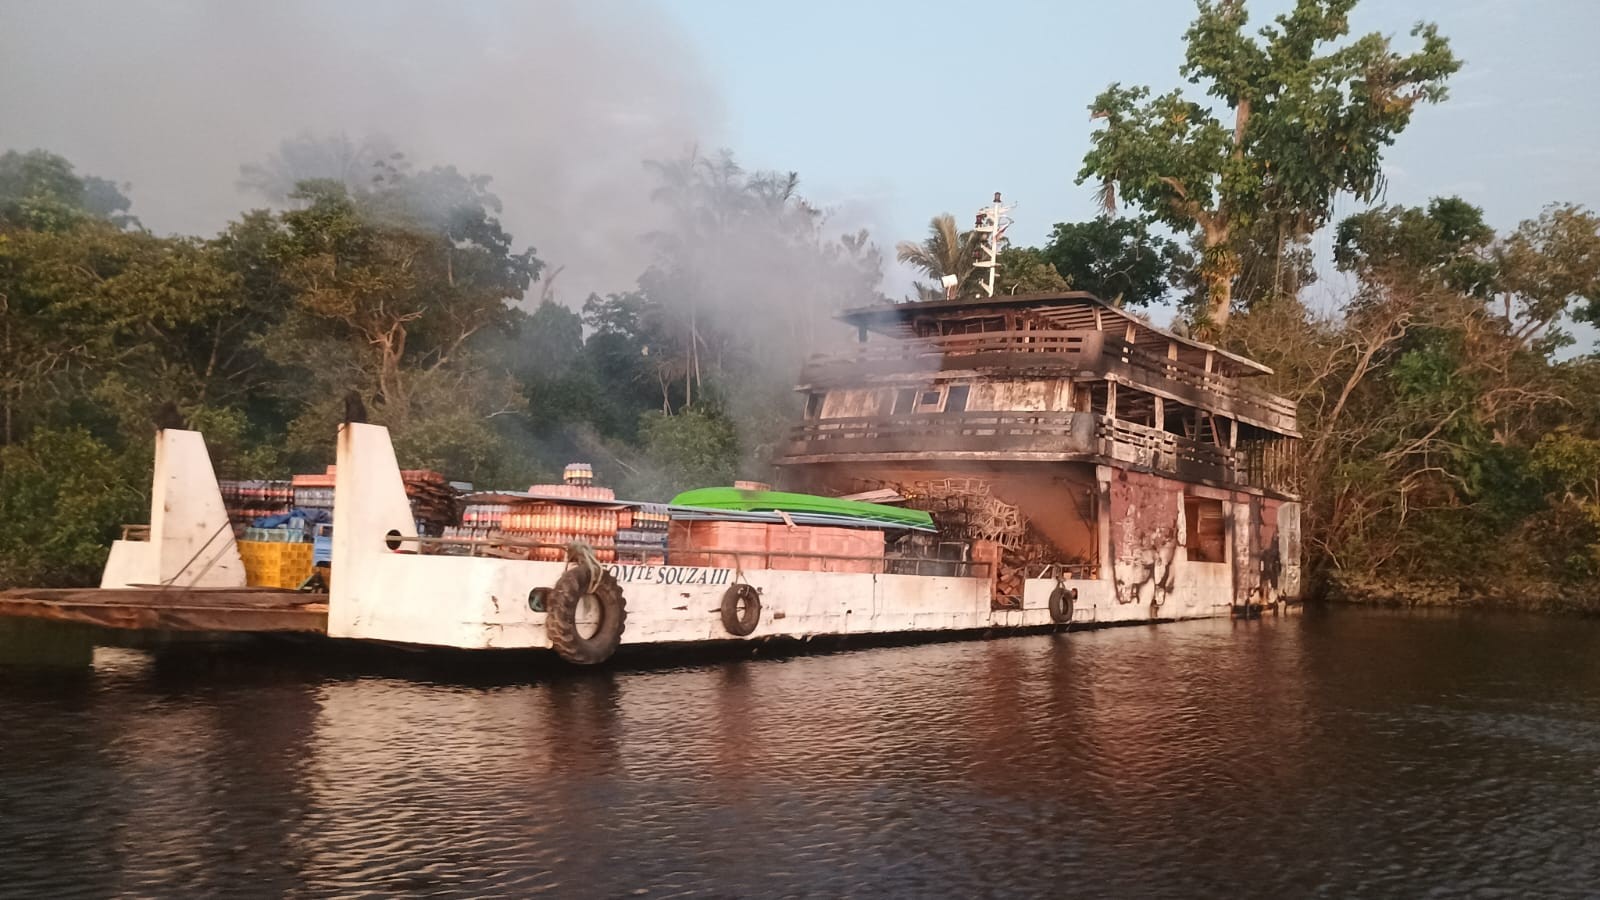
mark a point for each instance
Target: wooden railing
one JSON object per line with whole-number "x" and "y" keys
{"x": 1061, "y": 353}
{"x": 1010, "y": 434}
{"x": 1185, "y": 380}
{"x": 1163, "y": 451}
{"x": 992, "y": 349}
{"x": 1042, "y": 436}
{"x": 1272, "y": 464}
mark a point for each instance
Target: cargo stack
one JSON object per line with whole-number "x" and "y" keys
{"x": 280, "y": 564}
{"x": 314, "y": 491}
{"x": 484, "y": 516}
{"x": 761, "y": 545}
{"x": 433, "y": 501}
{"x": 545, "y": 519}
{"x": 247, "y": 501}
{"x": 642, "y": 534}
{"x": 553, "y": 525}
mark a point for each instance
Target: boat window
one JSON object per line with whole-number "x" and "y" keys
{"x": 956, "y": 398}
{"x": 814, "y": 405}
{"x": 973, "y": 326}
{"x": 1205, "y": 529}
{"x": 903, "y": 401}
{"x": 930, "y": 401}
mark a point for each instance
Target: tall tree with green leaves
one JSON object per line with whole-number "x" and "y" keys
{"x": 1304, "y": 117}
{"x": 1027, "y": 270}
{"x": 1116, "y": 259}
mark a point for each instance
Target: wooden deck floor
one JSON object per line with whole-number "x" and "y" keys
{"x": 172, "y": 609}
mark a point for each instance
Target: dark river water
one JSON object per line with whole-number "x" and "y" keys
{"x": 1330, "y": 754}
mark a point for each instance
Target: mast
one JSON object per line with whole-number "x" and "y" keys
{"x": 991, "y": 223}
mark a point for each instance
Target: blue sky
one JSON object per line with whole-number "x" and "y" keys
{"x": 896, "y": 110}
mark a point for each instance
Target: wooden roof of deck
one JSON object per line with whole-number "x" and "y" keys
{"x": 1066, "y": 311}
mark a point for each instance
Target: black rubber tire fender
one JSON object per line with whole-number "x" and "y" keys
{"x": 741, "y": 621}
{"x": 1062, "y": 601}
{"x": 561, "y": 618}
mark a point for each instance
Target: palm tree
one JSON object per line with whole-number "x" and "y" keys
{"x": 945, "y": 251}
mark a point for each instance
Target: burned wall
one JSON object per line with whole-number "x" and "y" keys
{"x": 1143, "y": 513}
{"x": 1266, "y": 550}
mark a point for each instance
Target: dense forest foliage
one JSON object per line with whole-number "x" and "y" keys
{"x": 1451, "y": 418}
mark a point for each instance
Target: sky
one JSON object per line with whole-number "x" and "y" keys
{"x": 907, "y": 109}
{"x": 891, "y": 111}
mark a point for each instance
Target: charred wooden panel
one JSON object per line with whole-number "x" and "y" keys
{"x": 994, "y": 434}
{"x": 1143, "y": 513}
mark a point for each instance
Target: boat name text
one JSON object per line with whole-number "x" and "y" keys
{"x": 641, "y": 574}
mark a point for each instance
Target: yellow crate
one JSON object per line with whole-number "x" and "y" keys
{"x": 275, "y": 564}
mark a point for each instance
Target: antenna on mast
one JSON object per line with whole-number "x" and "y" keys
{"x": 992, "y": 223}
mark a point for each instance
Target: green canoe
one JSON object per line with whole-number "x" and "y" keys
{"x": 780, "y": 501}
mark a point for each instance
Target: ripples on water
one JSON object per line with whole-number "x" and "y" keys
{"x": 1335, "y": 754}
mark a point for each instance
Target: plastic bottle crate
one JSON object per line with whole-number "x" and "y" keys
{"x": 276, "y": 564}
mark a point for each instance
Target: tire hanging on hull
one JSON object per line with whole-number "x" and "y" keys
{"x": 1062, "y": 601}
{"x": 741, "y": 609}
{"x": 561, "y": 617}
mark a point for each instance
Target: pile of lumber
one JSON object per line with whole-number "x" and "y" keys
{"x": 434, "y": 503}
{"x": 965, "y": 508}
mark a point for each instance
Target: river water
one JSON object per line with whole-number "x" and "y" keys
{"x": 1330, "y": 754}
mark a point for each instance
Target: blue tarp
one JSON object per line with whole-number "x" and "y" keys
{"x": 308, "y": 516}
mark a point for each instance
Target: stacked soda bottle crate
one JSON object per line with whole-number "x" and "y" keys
{"x": 314, "y": 491}
{"x": 247, "y": 501}
{"x": 642, "y": 534}
{"x": 555, "y": 524}
{"x": 484, "y": 516}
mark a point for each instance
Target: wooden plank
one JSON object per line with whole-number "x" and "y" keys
{"x": 225, "y": 598}
{"x": 309, "y": 619}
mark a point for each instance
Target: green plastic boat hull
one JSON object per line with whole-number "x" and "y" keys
{"x": 782, "y": 501}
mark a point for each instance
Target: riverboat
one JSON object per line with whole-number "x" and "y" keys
{"x": 1051, "y": 461}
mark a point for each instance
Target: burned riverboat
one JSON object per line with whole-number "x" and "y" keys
{"x": 1037, "y": 461}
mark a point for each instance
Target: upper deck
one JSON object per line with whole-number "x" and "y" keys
{"x": 1073, "y": 335}
{"x": 1035, "y": 359}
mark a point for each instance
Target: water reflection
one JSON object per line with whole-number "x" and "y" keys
{"x": 1338, "y": 754}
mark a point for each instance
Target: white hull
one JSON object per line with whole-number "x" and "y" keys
{"x": 484, "y": 603}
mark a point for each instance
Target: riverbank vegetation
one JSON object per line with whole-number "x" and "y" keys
{"x": 1451, "y": 417}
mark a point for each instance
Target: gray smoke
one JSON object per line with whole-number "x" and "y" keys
{"x": 560, "y": 101}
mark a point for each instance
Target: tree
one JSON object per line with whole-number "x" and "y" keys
{"x": 946, "y": 250}
{"x": 41, "y": 190}
{"x": 1027, "y": 270}
{"x": 745, "y": 276}
{"x": 1549, "y": 267}
{"x": 127, "y": 319}
{"x": 1426, "y": 404}
{"x": 308, "y": 157}
{"x": 63, "y": 494}
{"x": 697, "y": 447}
{"x": 405, "y": 274}
{"x": 1116, "y": 259}
{"x": 1307, "y": 122}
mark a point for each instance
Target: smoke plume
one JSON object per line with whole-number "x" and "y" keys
{"x": 560, "y": 101}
